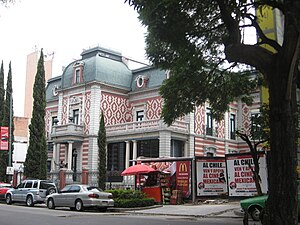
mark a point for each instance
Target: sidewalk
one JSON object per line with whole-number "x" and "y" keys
{"x": 212, "y": 209}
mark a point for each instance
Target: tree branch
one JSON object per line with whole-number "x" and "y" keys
{"x": 255, "y": 56}
{"x": 261, "y": 34}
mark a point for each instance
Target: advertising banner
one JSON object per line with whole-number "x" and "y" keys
{"x": 178, "y": 173}
{"x": 211, "y": 176}
{"x": 183, "y": 174}
{"x": 4, "y": 138}
{"x": 240, "y": 176}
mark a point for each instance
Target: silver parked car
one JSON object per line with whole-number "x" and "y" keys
{"x": 30, "y": 191}
{"x": 79, "y": 196}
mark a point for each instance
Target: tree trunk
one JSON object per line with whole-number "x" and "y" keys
{"x": 281, "y": 207}
{"x": 256, "y": 175}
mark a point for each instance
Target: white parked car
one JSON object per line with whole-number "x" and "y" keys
{"x": 79, "y": 196}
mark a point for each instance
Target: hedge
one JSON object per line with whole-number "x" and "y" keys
{"x": 130, "y": 198}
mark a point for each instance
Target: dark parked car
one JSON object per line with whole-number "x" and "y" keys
{"x": 30, "y": 192}
{"x": 79, "y": 196}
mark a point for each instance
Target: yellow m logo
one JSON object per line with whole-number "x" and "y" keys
{"x": 183, "y": 167}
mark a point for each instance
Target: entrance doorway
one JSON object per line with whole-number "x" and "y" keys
{"x": 74, "y": 164}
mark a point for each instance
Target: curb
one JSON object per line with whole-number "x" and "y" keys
{"x": 134, "y": 209}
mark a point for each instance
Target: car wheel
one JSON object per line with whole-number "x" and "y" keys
{"x": 29, "y": 201}
{"x": 50, "y": 203}
{"x": 255, "y": 213}
{"x": 51, "y": 191}
{"x": 8, "y": 199}
{"x": 78, "y": 205}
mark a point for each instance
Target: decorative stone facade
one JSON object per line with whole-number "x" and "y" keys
{"x": 131, "y": 104}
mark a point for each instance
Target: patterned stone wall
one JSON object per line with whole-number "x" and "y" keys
{"x": 154, "y": 107}
{"x": 65, "y": 104}
{"x": 86, "y": 119}
{"x": 116, "y": 109}
{"x": 199, "y": 120}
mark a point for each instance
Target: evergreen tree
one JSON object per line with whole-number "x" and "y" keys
{"x": 3, "y": 153}
{"x": 36, "y": 159}
{"x": 8, "y": 114}
{"x": 102, "y": 154}
{"x": 2, "y": 90}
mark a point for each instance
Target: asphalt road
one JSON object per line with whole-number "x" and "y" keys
{"x": 37, "y": 215}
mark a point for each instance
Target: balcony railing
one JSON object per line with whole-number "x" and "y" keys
{"x": 150, "y": 125}
{"x": 73, "y": 131}
{"x": 211, "y": 131}
{"x": 67, "y": 130}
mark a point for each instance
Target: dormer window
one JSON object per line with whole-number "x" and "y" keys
{"x": 141, "y": 81}
{"x": 77, "y": 75}
{"x": 78, "y": 72}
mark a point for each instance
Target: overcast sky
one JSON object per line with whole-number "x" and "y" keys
{"x": 65, "y": 27}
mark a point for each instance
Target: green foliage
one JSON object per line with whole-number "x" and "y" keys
{"x": 260, "y": 127}
{"x": 189, "y": 44}
{"x": 6, "y": 106}
{"x": 203, "y": 44}
{"x": 3, "y": 154}
{"x": 102, "y": 153}
{"x": 9, "y": 105}
{"x": 36, "y": 159}
{"x": 132, "y": 203}
{"x": 130, "y": 198}
{"x": 3, "y": 164}
{"x": 2, "y": 90}
{"x": 127, "y": 194}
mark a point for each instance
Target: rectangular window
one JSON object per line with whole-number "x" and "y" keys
{"x": 50, "y": 146}
{"x": 232, "y": 126}
{"x": 209, "y": 122}
{"x": 177, "y": 148}
{"x": 115, "y": 161}
{"x": 140, "y": 115}
{"x": 77, "y": 76}
{"x": 148, "y": 148}
{"x": 54, "y": 120}
{"x": 76, "y": 116}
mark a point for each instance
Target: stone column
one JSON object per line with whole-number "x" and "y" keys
{"x": 54, "y": 159}
{"x": 70, "y": 148}
{"x": 186, "y": 150}
{"x": 134, "y": 155}
{"x": 127, "y": 154}
{"x": 165, "y": 143}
